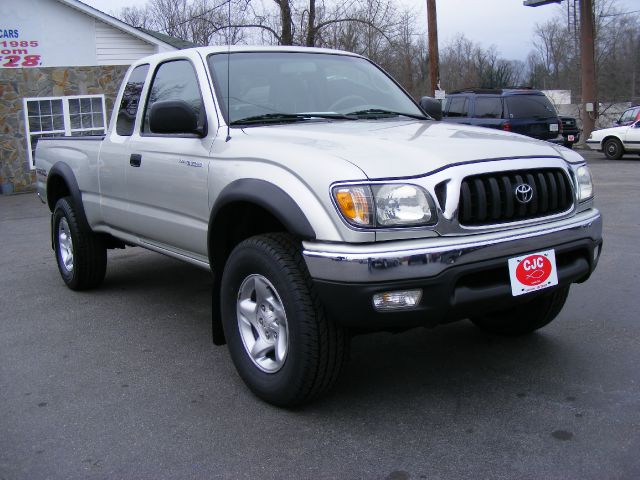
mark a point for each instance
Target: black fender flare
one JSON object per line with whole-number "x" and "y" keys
{"x": 268, "y": 196}
{"x": 62, "y": 170}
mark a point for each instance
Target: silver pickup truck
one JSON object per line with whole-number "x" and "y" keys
{"x": 324, "y": 201}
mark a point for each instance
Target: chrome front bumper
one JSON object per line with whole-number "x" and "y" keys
{"x": 428, "y": 257}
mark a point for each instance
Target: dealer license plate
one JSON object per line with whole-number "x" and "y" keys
{"x": 533, "y": 272}
{"x": 553, "y": 127}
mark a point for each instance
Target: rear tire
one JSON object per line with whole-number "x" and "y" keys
{"x": 283, "y": 346}
{"x": 613, "y": 149}
{"x": 81, "y": 255}
{"x": 526, "y": 318}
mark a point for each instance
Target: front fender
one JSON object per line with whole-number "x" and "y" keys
{"x": 270, "y": 197}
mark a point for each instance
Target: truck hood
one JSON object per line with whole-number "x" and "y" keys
{"x": 402, "y": 148}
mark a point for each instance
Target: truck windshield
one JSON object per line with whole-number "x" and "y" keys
{"x": 281, "y": 87}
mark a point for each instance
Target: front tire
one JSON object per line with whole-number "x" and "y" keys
{"x": 81, "y": 254}
{"x": 283, "y": 346}
{"x": 613, "y": 149}
{"x": 526, "y": 318}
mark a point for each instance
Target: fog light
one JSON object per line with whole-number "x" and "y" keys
{"x": 397, "y": 300}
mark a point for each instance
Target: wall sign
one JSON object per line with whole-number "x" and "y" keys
{"x": 17, "y": 52}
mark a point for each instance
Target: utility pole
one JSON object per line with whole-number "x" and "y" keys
{"x": 589, "y": 105}
{"x": 434, "y": 59}
{"x": 588, "y": 74}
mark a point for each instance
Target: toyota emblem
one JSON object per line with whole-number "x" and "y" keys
{"x": 524, "y": 193}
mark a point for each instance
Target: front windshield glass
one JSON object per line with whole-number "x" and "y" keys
{"x": 272, "y": 85}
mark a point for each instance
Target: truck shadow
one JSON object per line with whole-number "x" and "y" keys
{"x": 135, "y": 268}
{"x": 142, "y": 278}
{"x": 453, "y": 369}
{"x": 449, "y": 359}
{"x": 417, "y": 367}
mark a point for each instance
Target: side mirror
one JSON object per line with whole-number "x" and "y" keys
{"x": 432, "y": 107}
{"x": 174, "y": 117}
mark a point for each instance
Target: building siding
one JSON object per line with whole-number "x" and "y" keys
{"x": 79, "y": 52}
{"x": 16, "y": 84}
{"x": 115, "y": 47}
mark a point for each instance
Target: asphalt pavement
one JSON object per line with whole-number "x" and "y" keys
{"x": 124, "y": 382}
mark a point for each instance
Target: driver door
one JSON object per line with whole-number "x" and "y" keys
{"x": 167, "y": 175}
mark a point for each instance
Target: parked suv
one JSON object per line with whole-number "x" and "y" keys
{"x": 523, "y": 110}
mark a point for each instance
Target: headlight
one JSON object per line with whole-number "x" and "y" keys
{"x": 401, "y": 205}
{"x": 585, "y": 183}
{"x": 387, "y": 205}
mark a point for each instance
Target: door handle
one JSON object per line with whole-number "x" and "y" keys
{"x": 135, "y": 159}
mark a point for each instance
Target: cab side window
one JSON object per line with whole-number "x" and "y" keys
{"x": 459, "y": 107}
{"x": 175, "y": 80}
{"x": 130, "y": 101}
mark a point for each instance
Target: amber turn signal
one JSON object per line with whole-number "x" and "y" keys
{"x": 355, "y": 204}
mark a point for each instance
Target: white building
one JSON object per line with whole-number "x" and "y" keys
{"x": 61, "y": 63}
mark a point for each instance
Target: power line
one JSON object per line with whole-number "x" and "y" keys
{"x": 620, "y": 14}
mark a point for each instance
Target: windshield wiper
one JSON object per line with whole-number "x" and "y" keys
{"x": 290, "y": 118}
{"x": 381, "y": 113}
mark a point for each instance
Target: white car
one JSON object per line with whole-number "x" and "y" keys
{"x": 616, "y": 141}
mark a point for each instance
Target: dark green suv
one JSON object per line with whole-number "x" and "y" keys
{"x": 522, "y": 110}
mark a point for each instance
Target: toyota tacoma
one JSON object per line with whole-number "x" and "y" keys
{"x": 325, "y": 202}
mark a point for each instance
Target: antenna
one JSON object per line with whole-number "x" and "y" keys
{"x": 229, "y": 75}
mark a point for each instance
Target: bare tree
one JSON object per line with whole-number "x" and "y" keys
{"x": 377, "y": 29}
{"x": 457, "y": 69}
{"x": 465, "y": 64}
{"x": 555, "y": 62}
{"x": 138, "y": 17}
{"x": 554, "y": 49}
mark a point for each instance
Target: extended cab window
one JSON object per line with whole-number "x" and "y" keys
{"x": 488, "y": 107}
{"x": 175, "y": 80}
{"x": 459, "y": 107}
{"x": 130, "y": 101}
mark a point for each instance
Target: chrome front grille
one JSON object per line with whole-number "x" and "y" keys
{"x": 491, "y": 198}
